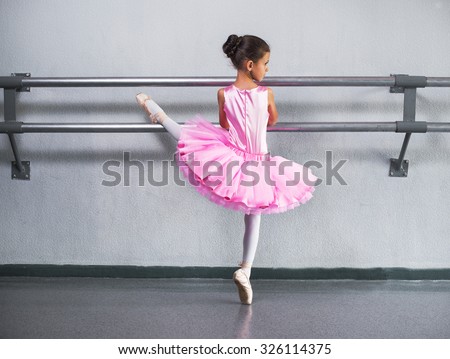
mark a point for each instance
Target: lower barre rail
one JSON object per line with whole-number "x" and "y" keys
{"x": 21, "y": 127}
{"x": 398, "y": 167}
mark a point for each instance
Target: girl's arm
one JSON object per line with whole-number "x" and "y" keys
{"x": 273, "y": 113}
{"x": 222, "y": 116}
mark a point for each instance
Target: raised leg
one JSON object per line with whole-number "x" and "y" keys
{"x": 157, "y": 115}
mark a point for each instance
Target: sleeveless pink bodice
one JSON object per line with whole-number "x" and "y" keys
{"x": 247, "y": 114}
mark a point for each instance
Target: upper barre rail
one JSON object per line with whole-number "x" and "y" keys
{"x": 17, "y": 82}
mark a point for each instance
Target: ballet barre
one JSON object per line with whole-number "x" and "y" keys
{"x": 23, "y": 81}
{"x": 400, "y": 83}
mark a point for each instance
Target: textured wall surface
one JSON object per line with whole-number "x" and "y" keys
{"x": 64, "y": 215}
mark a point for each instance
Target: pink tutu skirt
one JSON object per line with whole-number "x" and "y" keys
{"x": 238, "y": 180}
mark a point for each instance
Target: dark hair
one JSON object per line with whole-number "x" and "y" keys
{"x": 247, "y": 47}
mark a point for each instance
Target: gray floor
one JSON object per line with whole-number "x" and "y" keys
{"x": 209, "y": 308}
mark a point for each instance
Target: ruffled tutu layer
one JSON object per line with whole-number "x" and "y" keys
{"x": 238, "y": 180}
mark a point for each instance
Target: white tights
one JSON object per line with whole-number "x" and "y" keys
{"x": 251, "y": 237}
{"x": 252, "y": 221}
{"x": 170, "y": 125}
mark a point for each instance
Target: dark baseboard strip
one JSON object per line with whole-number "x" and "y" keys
{"x": 110, "y": 271}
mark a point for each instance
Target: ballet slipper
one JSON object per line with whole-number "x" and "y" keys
{"x": 158, "y": 115}
{"x": 141, "y": 98}
{"x": 244, "y": 287}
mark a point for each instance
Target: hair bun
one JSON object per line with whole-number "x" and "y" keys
{"x": 230, "y": 46}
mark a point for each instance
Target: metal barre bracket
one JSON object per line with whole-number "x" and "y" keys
{"x": 22, "y": 75}
{"x": 19, "y": 169}
{"x": 21, "y": 175}
{"x": 408, "y": 86}
{"x": 403, "y": 81}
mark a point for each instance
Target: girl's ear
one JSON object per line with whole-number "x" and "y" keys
{"x": 249, "y": 65}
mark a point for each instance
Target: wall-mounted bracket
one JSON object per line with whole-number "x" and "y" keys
{"x": 22, "y": 74}
{"x": 405, "y": 81}
{"x": 398, "y": 169}
{"x": 399, "y": 166}
{"x": 19, "y": 169}
{"x": 17, "y": 174}
{"x": 408, "y": 86}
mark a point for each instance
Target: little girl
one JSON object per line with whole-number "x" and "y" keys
{"x": 231, "y": 165}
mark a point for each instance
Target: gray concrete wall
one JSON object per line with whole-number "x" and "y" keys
{"x": 64, "y": 215}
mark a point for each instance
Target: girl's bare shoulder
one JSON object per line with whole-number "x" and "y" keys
{"x": 221, "y": 93}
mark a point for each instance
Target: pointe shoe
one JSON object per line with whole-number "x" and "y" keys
{"x": 158, "y": 117}
{"x": 244, "y": 287}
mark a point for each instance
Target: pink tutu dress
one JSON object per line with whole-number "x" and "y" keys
{"x": 233, "y": 167}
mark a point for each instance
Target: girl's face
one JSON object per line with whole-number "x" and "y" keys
{"x": 260, "y": 68}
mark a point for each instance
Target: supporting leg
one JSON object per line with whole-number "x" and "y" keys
{"x": 242, "y": 276}
{"x": 250, "y": 243}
